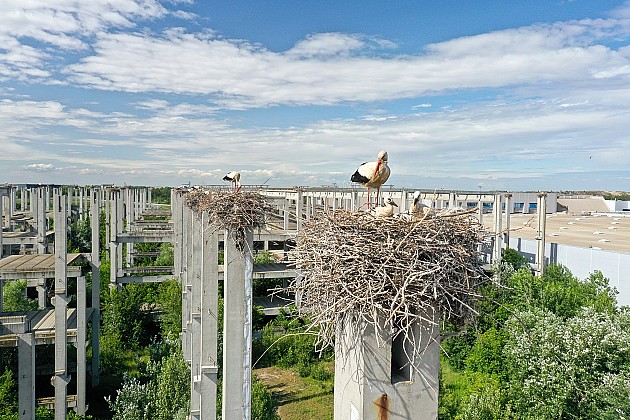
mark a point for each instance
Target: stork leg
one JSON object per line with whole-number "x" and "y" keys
{"x": 369, "y": 205}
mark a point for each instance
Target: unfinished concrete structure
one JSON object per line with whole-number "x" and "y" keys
{"x": 49, "y": 273}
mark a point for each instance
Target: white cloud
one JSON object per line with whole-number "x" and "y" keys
{"x": 335, "y": 68}
{"x": 41, "y": 167}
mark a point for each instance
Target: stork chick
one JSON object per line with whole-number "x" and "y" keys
{"x": 373, "y": 174}
{"x": 387, "y": 210}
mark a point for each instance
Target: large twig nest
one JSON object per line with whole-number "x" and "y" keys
{"x": 386, "y": 271}
{"x": 230, "y": 210}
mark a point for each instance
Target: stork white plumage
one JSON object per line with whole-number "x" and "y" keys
{"x": 235, "y": 178}
{"x": 373, "y": 174}
{"x": 387, "y": 210}
{"x": 418, "y": 208}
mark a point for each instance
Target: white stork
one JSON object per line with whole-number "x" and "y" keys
{"x": 235, "y": 178}
{"x": 387, "y": 210}
{"x": 373, "y": 174}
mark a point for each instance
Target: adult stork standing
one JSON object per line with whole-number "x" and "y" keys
{"x": 373, "y": 174}
{"x": 235, "y": 178}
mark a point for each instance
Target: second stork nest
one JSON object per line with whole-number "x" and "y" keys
{"x": 359, "y": 268}
{"x": 233, "y": 211}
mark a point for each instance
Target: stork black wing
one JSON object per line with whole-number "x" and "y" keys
{"x": 227, "y": 178}
{"x": 357, "y": 177}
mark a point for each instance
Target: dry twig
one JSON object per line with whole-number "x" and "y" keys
{"x": 386, "y": 273}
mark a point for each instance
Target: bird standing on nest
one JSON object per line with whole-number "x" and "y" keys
{"x": 373, "y": 174}
{"x": 387, "y": 210}
{"x": 235, "y": 178}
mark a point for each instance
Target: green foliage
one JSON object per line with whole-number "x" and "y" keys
{"x": 80, "y": 240}
{"x": 8, "y": 396}
{"x": 162, "y": 392}
{"x": 263, "y": 405}
{"x": 173, "y": 385}
{"x": 165, "y": 258}
{"x": 170, "y": 298}
{"x": 286, "y": 343}
{"x": 557, "y": 367}
{"x": 161, "y": 195}
{"x": 512, "y": 257}
{"x": 264, "y": 257}
{"x": 14, "y": 297}
{"x": 540, "y": 348}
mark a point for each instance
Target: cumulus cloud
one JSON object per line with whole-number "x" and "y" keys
{"x": 333, "y": 68}
{"x": 40, "y": 167}
{"x": 60, "y": 25}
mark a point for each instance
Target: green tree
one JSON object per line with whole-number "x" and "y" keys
{"x": 8, "y": 397}
{"x": 569, "y": 368}
{"x": 14, "y": 294}
{"x": 170, "y": 298}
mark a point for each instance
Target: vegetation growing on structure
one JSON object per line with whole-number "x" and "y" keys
{"x": 14, "y": 297}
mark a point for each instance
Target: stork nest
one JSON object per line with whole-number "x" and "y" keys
{"x": 387, "y": 273}
{"x": 233, "y": 211}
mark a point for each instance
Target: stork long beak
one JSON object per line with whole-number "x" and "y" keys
{"x": 394, "y": 204}
{"x": 378, "y": 165}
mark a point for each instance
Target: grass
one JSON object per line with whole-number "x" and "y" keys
{"x": 299, "y": 398}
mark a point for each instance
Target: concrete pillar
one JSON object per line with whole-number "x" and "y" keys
{"x": 61, "y": 378}
{"x": 195, "y": 316}
{"x": 299, "y": 205}
{"x": 95, "y": 216}
{"x": 508, "y": 213}
{"x": 185, "y": 281}
{"x": 42, "y": 206}
{"x": 80, "y": 344}
{"x": 209, "y": 321}
{"x": 26, "y": 376}
{"x": 374, "y": 380}
{"x": 113, "y": 234}
{"x": 498, "y": 228}
{"x": 41, "y": 294}
{"x": 120, "y": 213}
{"x": 1, "y": 219}
{"x": 237, "y": 329}
{"x": 81, "y": 198}
{"x": 285, "y": 207}
{"x": 541, "y": 208}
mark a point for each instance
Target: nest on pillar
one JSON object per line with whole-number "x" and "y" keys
{"x": 233, "y": 211}
{"x": 387, "y": 273}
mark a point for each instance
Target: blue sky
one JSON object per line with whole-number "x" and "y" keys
{"x": 507, "y": 95}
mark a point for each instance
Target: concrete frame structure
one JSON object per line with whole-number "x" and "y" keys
{"x": 37, "y": 327}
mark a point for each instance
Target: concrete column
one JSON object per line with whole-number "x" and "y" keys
{"x": 120, "y": 213}
{"x": 113, "y": 233}
{"x": 81, "y": 198}
{"x": 195, "y": 316}
{"x": 95, "y": 216}
{"x": 26, "y": 376}
{"x": 299, "y": 205}
{"x": 129, "y": 203}
{"x": 41, "y": 294}
{"x": 209, "y": 320}
{"x": 149, "y": 196}
{"x": 541, "y": 208}
{"x": 11, "y": 208}
{"x": 374, "y": 380}
{"x": 286, "y": 207}
{"x": 508, "y": 213}
{"x": 61, "y": 378}
{"x": 42, "y": 208}
{"x": 80, "y": 344}
{"x": 237, "y": 329}
{"x": 498, "y": 228}
{"x": 480, "y": 209}
{"x": 1, "y": 221}
{"x": 186, "y": 287}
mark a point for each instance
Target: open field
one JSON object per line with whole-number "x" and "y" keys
{"x": 298, "y": 398}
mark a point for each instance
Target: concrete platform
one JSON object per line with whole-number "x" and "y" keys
{"x": 38, "y": 266}
{"x": 609, "y": 232}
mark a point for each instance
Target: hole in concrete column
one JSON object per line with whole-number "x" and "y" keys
{"x": 401, "y": 352}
